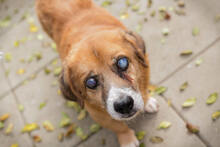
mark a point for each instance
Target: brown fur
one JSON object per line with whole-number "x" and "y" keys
{"x": 88, "y": 40}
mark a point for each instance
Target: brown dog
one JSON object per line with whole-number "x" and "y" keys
{"x": 105, "y": 67}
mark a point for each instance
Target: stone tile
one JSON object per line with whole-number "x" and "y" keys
{"x": 4, "y": 86}
{"x": 149, "y": 123}
{"x": 8, "y": 105}
{"x": 25, "y": 50}
{"x": 203, "y": 81}
{"x": 15, "y": 10}
{"x": 164, "y": 58}
{"x": 39, "y": 90}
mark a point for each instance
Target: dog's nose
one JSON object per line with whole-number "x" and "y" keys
{"x": 124, "y": 105}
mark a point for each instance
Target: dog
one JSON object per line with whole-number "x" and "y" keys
{"x": 105, "y": 66}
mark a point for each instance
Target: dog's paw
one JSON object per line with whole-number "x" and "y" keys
{"x": 128, "y": 139}
{"x": 152, "y": 105}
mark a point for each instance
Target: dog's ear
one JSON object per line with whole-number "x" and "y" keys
{"x": 138, "y": 44}
{"x": 67, "y": 92}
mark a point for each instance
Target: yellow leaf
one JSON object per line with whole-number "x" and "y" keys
{"x": 82, "y": 114}
{"x": 36, "y": 138}
{"x": 189, "y": 102}
{"x": 140, "y": 135}
{"x": 8, "y": 57}
{"x": 20, "y": 71}
{"x": 9, "y": 129}
{"x": 216, "y": 115}
{"x": 33, "y": 28}
{"x": 164, "y": 125}
{"x": 48, "y": 125}
{"x": 16, "y": 43}
{"x": 30, "y": 127}
{"x": 4, "y": 117}
{"x": 14, "y": 145}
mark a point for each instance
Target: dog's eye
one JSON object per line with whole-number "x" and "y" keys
{"x": 91, "y": 83}
{"x": 122, "y": 64}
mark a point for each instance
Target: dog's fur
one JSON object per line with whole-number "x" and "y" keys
{"x": 89, "y": 40}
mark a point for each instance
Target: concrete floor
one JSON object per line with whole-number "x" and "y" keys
{"x": 23, "y": 81}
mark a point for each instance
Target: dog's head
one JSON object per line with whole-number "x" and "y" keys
{"x": 108, "y": 69}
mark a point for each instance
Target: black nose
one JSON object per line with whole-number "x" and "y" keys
{"x": 124, "y": 105}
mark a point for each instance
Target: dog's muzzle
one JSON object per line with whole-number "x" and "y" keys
{"x": 124, "y": 103}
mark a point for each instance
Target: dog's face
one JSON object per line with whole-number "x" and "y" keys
{"x": 110, "y": 70}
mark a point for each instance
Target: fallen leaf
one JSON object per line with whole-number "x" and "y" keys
{"x": 60, "y": 137}
{"x": 14, "y": 145}
{"x": 191, "y": 128}
{"x": 1, "y": 125}
{"x": 212, "y": 98}
{"x": 37, "y": 138}
{"x": 42, "y": 105}
{"x": 9, "y": 129}
{"x": 184, "y": 86}
{"x": 21, "y": 107}
{"x": 47, "y": 70}
{"x": 57, "y": 71}
{"x": 20, "y": 71}
{"x": 165, "y": 31}
{"x": 198, "y": 62}
{"x": 48, "y": 126}
{"x": 5, "y": 22}
{"x": 139, "y": 27}
{"x": 65, "y": 121}
{"x": 156, "y": 139}
{"x": 160, "y": 90}
{"x": 30, "y": 127}
{"x": 186, "y": 53}
{"x": 128, "y": 3}
{"x": 8, "y": 57}
{"x": 216, "y": 115}
{"x": 70, "y": 130}
{"x": 74, "y": 105}
{"x": 181, "y": 4}
{"x": 106, "y": 3}
{"x": 149, "y": 3}
{"x": 124, "y": 15}
{"x": 135, "y": 7}
{"x": 4, "y": 117}
{"x": 94, "y": 128}
{"x": 40, "y": 37}
{"x": 164, "y": 125}
{"x": 79, "y": 133}
{"x": 195, "y": 31}
{"x": 189, "y": 102}
{"x": 16, "y": 43}
{"x": 82, "y": 114}
{"x": 38, "y": 56}
{"x": 140, "y": 135}
{"x": 142, "y": 145}
{"x": 33, "y": 28}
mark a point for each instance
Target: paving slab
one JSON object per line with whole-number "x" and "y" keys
{"x": 8, "y": 105}
{"x": 14, "y": 11}
{"x": 4, "y": 85}
{"x": 25, "y": 47}
{"x": 40, "y": 90}
{"x": 177, "y": 133}
{"x": 164, "y": 57}
{"x": 203, "y": 80}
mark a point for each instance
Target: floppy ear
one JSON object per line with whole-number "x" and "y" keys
{"x": 67, "y": 92}
{"x": 138, "y": 44}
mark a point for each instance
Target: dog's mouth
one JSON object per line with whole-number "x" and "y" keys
{"x": 129, "y": 116}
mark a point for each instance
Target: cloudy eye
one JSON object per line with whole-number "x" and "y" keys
{"x": 92, "y": 82}
{"x": 122, "y": 64}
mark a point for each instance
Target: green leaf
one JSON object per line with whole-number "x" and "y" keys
{"x": 140, "y": 135}
{"x": 21, "y": 107}
{"x": 198, "y": 62}
{"x": 74, "y": 105}
{"x": 184, "y": 86}
{"x": 212, "y": 98}
{"x": 47, "y": 70}
{"x": 186, "y": 52}
{"x": 164, "y": 125}
{"x": 1, "y": 125}
{"x": 42, "y": 105}
{"x": 195, "y": 31}
{"x": 142, "y": 145}
{"x": 79, "y": 133}
{"x": 189, "y": 102}
{"x": 156, "y": 139}
{"x": 65, "y": 121}
{"x": 57, "y": 71}
{"x": 106, "y": 3}
{"x": 5, "y": 22}
{"x": 38, "y": 56}
{"x": 8, "y": 57}
{"x": 160, "y": 90}
{"x": 165, "y": 31}
{"x": 216, "y": 115}
{"x": 48, "y": 125}
{"x": 94, "y": 128}
{"x": 135, "y": 8}
{"x": 82, "y": 114}
{"x": 30, "y": 127}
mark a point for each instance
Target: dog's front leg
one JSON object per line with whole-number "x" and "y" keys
{"x": 126, "y": 136}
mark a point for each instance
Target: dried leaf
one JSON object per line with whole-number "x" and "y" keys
{"x": 42, "y": 105}
{"x": 198, "y": 62}
{"x": 140, "y": 135}
{"x": 37, "y": 138}
{"x": 189, "y": 102}
{"x": 160, "y": 90}
{"x": 164, "y": 125}
{"x": 216, "y": 115}
{"x": 8, "y": 57}
{"x": 30, "y": 127}
{"x": 191, "y": 128}
{"x": 149, "y": 3}
{"x": 48, "y": 126}
{"x": 79, "y": 133}
{"x": 106, "y": 3}
{"x": 156, "y": 139}
{"x": 74, "y": 105}
{"x": 4, "y": 117}
{"x": 21, "y": 107}
{"x": 14, "y": 145}
{"x": 65, "y": 121}
{"x": 82, "y": 114}
{"x": 60, "y": 137}
{"x": 70, "y": 130}
{"x": 94, "y": 128}
{"x": 57, "y": 71}
{"x": 165, "y": 31}
{"x": 1, "y": 125}
{"x": 184, "y": 86}
{"x": 20, "y": 71}
{"x": 195, "y": 31}
{"x": 212, "y": 98}
{"x": 9, "y": 129}
{"x": 181, "y": 4}
{"x": 186, "y": 53}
